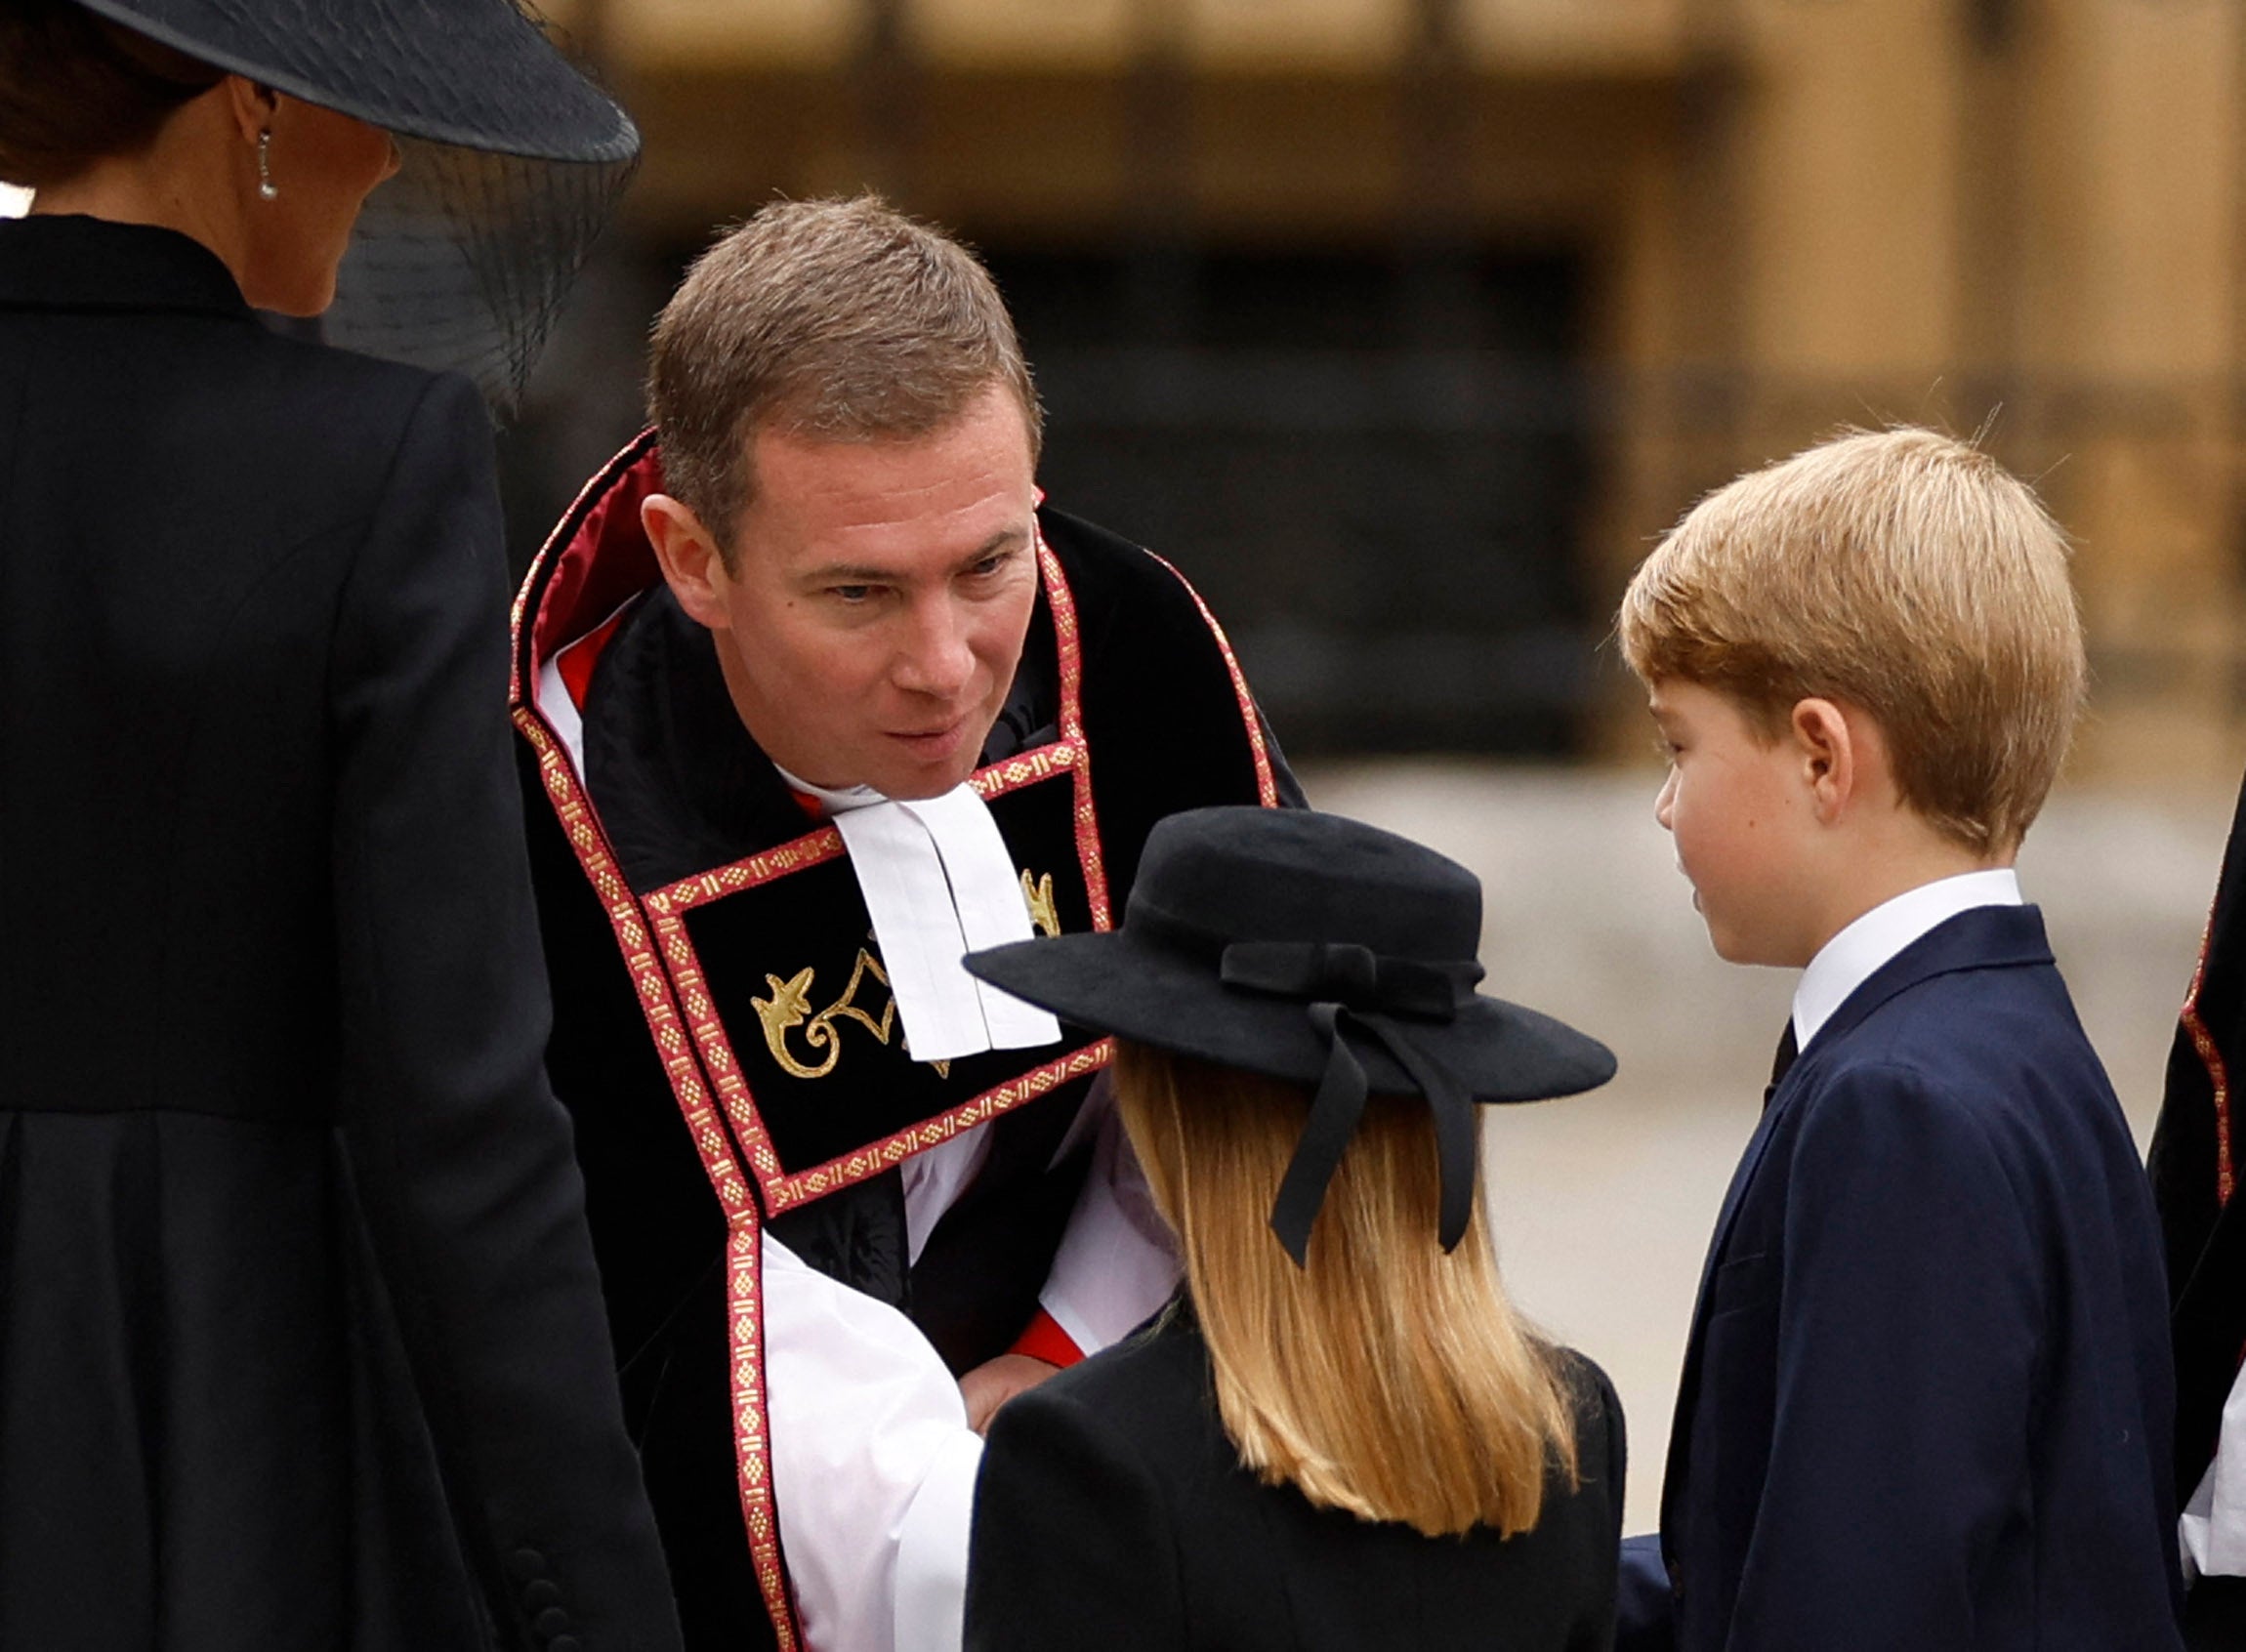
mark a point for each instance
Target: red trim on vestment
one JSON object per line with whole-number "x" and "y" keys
{"x": 2218, "y": 1071}
{"x": 744, "y": 1250}
{"x": 1045, "y": 1341}
{"x": 1068, "y": 644}
{"x": 826, "y": 844}
{"x": 1267, "y": 781}
{"x": 781, "y": 1189}
{"x": 569, "y": 588}
{"x": 596, "y": 560}
{"x": 666, "y": 907}
{"x": 814, "y": 849}
{"x": 575, "y": 662}
{"x": 568, "y": 585}
{"x": 786, "y": 1192}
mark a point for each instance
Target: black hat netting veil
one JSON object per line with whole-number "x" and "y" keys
{"x": 463, "y": 260}
{"x": 513, "y": 159}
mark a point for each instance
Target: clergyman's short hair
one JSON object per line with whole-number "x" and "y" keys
{"x": 837, "y": 319}
{"x": 1901, "y": 571}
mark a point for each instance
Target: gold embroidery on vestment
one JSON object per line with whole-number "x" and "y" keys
{"x": 790, "y": 1006}
{"x": 1044, "y": 915}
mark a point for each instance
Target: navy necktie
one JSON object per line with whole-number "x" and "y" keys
{"x": 1787, "y": 1050}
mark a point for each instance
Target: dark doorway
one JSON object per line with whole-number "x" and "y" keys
{"x": 1371, "y": 464}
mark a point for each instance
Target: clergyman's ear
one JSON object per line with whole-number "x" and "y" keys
{"x": 692, "y": 566}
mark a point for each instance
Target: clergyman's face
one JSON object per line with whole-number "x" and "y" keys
{"x": 879, "y": 597}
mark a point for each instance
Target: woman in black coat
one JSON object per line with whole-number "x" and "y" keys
{"x": 1340, "y": 1438}
{"x": 301, "y": 1344}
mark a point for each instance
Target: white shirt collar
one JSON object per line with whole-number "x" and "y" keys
{"x": 1853, "y": 955}
{"x": 838, "y": 800}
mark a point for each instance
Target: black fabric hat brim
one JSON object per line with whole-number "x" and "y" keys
{"x": 1118, "y": 983}
{"x": 511, "y": 162}
{"x": 477, "y": 73}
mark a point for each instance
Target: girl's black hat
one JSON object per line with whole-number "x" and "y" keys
{"x": 1321, "y": 950}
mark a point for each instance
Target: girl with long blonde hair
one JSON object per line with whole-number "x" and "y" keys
{"x": 1341, "y": 1436}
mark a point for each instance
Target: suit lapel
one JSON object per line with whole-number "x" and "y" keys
{"x": 1688, "y": 1380}
{"x": 1985, "y": 937}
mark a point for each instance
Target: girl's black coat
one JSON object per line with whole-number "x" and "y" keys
{"x": 300, "y": 1337}
{"x": 1113, "y": 1515}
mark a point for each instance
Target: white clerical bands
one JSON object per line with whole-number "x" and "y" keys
{"x": 938, "y": 883}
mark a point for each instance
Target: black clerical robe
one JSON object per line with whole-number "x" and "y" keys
{"x": 724, "y": 1037}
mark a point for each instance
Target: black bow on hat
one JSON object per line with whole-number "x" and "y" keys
{"x": 1318, "y": 949}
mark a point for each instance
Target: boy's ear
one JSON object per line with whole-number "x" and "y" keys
{"x": 691, "y": 565}
{"x": 1830, "y": 755}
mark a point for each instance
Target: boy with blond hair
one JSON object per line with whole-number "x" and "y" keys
{"x": 1926, "y": 1398}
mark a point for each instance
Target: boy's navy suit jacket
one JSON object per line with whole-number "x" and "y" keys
{"x": 1927, "y": 1398}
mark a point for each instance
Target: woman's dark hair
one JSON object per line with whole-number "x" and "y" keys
{"x": 75, "y": 88}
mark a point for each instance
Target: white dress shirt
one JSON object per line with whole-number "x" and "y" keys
{"x": 1856, "y": 954}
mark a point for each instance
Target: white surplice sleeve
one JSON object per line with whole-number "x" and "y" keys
{"x": 873, "y": 1465}
{"x": 873, "y": 1462}
{"x": 1117, "y": 1260}
{"x": 2213, "y": 1525}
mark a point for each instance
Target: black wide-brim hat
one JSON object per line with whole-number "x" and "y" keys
{"x": 477, "y": 73}
{"x": 1318, "y": 949}
{"x": 513, "y": 161}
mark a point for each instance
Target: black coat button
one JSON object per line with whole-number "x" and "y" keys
{"x": 524, "y": 1564}
{"x": 550, "y": 1622}
{"x": 541, "y": 1595}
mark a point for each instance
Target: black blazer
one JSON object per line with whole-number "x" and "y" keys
{"x": 1113, "y": 1515}
{"x": 292, "y": 1254}
{"x": 1925, "y": 1399}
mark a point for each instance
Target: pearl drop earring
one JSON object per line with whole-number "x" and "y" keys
{"x": 265, "y": 189}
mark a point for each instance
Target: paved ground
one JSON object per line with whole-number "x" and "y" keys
{"x": 1604, "y": 1204}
